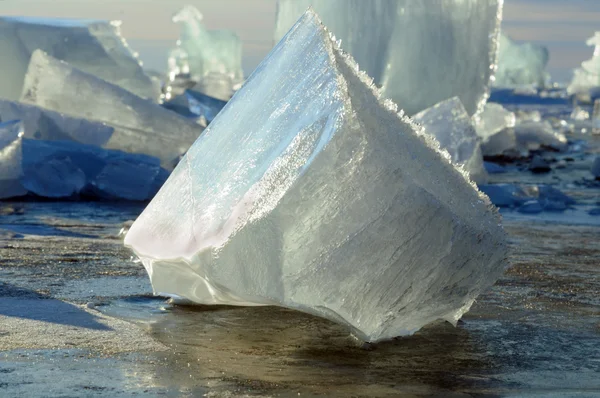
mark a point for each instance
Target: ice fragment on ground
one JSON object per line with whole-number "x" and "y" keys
{"x": 450, "y": 124}
{"x": 495, "y": 128}
{"x": 204, "y": 53}
{"x": 140, "y": 126}
{"x": 44, "y": 124}
{"x": 579, "y": 113}
{"x": 322, "y": 199}
{"x": 95, "y": 47}
{"x": 532, "y": 136}
{"x": 521, "y": 64}
{"x": 419, "y": 52}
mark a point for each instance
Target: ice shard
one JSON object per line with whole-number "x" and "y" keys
{"x": 587, "y": 76}
{"x": 203, "y": 53}
{"x": 450, "y": 124}
{"x": 64, "y": 169}
{"x": 323, "y": 198}
{"x": 419, "y": 52}
{"x": 521, "y": 64}
{"x": 495, "y": 126}
{"x": 140, "y": 125}
{"x": 11, "y": 136}
{"x": 44, "y": 124}
{"x": 194, "y": 104}
{"x": 95, "y": 47}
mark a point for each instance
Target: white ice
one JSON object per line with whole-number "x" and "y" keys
{"x": 206, "y": 55}
{"x": 451, "y": 125}
{"x": 495, "y": 126}
{"x": 95, "y": 47}
{"x": 140, "y": 125}
{"x": 44, "y": 124}
{"x": 521, "y": 64}
{"x": 532, "y": 136}
{"x": 419, "y": 52}
{"x": 587, "y": 76}
{"x": 323, "y": 199}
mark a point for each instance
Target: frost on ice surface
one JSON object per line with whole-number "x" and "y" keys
{"x": 95, "y": 47}
{"x": 62, "y": 169}
{"x": 204, "y": 53}
{"x": 322, "y": 199}
{"x": 587, "y": 76}
{"x": 521, "y": 64}
{"x": 44, "y": 124}
{"x": 450, "y": 124}
{"x": 419, "y": 52}
{"x": 140, "y": 125}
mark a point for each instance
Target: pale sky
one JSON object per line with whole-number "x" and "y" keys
{"x": 561, "y": 25}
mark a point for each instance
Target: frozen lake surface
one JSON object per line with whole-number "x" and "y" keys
{"x": 77, "y": 317}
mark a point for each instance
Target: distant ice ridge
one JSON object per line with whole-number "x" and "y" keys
{"x": 323, "y": 199}
{"x": 63, "y": 169}
{"x": 212, "y": 58}
{"x": 587, "y": 76}
{"x": 140, "y": 125}
{"x": 521, "y": 64}
{"x": 419, "y": 52}
{"x": 450, "y": 124}
{"x": 96, "y": 47}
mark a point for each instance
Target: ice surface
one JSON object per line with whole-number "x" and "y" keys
{"x": 202, "y": 52}
{"x": 450, "y": 124}
{"x": 587, "y": 76}
{"x": 596, "y": 167}
{"x": 63, "y": 169}
{"x": 533, "y": 197}
{"x": 47, "y": 125}
{"x": 419, "y": 52}
{"x": 324, "y": 199}
{"x": 95, "y": 47}
{"x": 140, "y": 125}
{"x": 521, "y": 64}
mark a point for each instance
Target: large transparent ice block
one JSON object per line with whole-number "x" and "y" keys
{"x": 521, "y": 64}
{"x": 202, "y": 52}
{"x": 140, "y": 125}
{"x": 450, "y": 124}
{"x": 323, "y": 199}
{"x": 95, "y": 47}
{"x": 419, "y": 52}
{"x": 44, "y": 124}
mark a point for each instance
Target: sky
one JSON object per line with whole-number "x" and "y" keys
{"x": 561, "y": 25}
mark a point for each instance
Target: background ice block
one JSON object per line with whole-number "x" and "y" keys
{"x": 11, "y": 136}
{"x": 202, "y": 52}
{"x": 140, "y": 125}
{"x": 450, "y": 124}
{"x": 521, "y": 64}
{"x": 44, "y": 124}
{"x": 310, "y": 191}
{"x": 95, "y": 47}
{"x": 587, "y": 76}
{"x": 419, "y": 52}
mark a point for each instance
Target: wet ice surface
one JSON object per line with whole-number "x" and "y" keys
{"x": 63, "y": 270}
